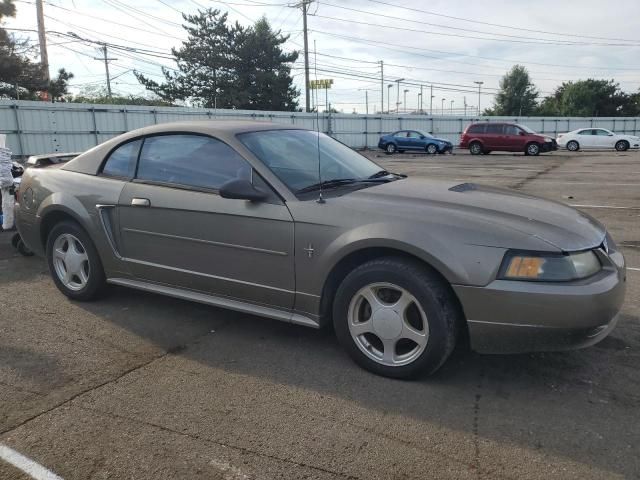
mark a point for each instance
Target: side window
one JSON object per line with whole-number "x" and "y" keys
{"x": 476, "y": 128}
{"x": 191, "y": 160}
{"x": 122, "y": 161}
{"x": 511, "y": 130}
{"x": 413, "y": 135}
{"x": 585, "y": 132}
{"x": 495, "y": 129}
{"x": 599, "y": 131}
{"x": 400, "y": 134}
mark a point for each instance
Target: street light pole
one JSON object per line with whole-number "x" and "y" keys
{"x": 442, "y": 106}
{"x": 389, "y": 87}
{"x": 398, "y": 95}
{"x": 479, "y": 87}
{"x": 431, "y": 102}
{"x": 404, "y": 104}
{"x": 451, "y": 110}
{"x": 420, "y": 101}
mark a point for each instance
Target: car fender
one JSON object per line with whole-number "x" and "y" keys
{"x": 65, "y": 203}
{"x": 420, "y": 243}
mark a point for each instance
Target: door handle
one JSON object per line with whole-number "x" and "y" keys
{"x": 140, "y": 202}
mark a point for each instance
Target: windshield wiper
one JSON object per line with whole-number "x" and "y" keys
{"x": 381, "y": 173}
{"x": 339, "y": 182}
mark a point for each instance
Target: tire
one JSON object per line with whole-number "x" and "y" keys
{"x": 79, "y": 257}
{"x": 573, "y": 146}
{"x": 532, "y": 149}
{"x": 390, "y": 148}
{"x": 431, "y": 307}
{"x": 431, "y": 149}
{"x": 475, "y": 148}
{"x": 622, "y": 145}
{"x": 23, "y": 249}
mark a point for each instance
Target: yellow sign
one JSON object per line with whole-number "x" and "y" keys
{"x": 324, "y": 83}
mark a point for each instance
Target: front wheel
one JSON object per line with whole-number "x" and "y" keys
{"x": 432, "y": 149}
{"x": 532, "y": 149}
{"x": 396, "y": 318}
{"x": 390, "y": 149}
{"x": 74, "y": 262}
{"x": 622, "y": 145}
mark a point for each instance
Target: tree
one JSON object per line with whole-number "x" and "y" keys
{"x": 517, "y": 95}
{"x": 59, "y": 87}
{"x": 587, "y": 98}
{"x": 99, "y": 95}
{"x": 228, "y": 66}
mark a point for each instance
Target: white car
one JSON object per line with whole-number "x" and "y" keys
{"x": 586, "y": 138}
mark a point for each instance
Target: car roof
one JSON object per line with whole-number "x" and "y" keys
{"x": 225, "y": 130}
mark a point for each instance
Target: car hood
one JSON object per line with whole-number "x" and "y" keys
{"x": 554, "y": 223}
{"x": 438, "y": 139}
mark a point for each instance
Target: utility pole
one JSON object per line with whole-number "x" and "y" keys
{"x": 451, "y": 109}
{"x": 106, "y": 60}
{"x": 381, "y": 85}
{"x": 389, "y": 87}
{"x": 431, "y": 102}
{"x": 465, "y": 106}
{"x": 442, "y": 106}
{"x": 420, "y": 99}
{"x": 42, "y": 39}
{"x": 479, "y": 87}
{"x": 306, "y": 54}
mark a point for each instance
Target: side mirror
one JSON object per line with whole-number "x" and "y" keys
{"x": 422, "y": 137}
{"x": 610, "y": 134}
{"x": 241, "y": 189}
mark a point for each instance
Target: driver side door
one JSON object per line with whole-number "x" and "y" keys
{"x": 176, "y": 229}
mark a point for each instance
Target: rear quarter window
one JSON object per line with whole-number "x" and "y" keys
{"x": 122, "y": 161}
{"x": 476, "y": 128}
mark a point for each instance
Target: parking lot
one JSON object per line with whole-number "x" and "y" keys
{"x": 140, "y": 386}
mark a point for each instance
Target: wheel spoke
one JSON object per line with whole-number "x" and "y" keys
{"x": 370, "y": 296}
{"x": 414, "y": 335}
{"x": 389, "y": 350}
{"x": 360, "y": 328}
{"x": 403, "y": 303}
{"x": 60, "y": 254}
{"x": 82, "y": 275}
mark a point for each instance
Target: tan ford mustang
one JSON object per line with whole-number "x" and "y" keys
{"x": 230, "y": 214}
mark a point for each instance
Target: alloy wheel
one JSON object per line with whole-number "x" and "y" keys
{"x": 71, "y": 262}
{"x": 388, "y": 324}
{"x": 391, "y": 148}
{"x": 432, "y": 149}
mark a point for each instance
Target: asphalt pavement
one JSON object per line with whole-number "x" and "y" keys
{"x": 140, "y": 386}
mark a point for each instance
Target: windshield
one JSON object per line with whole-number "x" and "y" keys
{"x": 292, "y": 155}
{"x": 526, "y": 129}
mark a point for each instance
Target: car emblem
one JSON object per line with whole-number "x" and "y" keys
{"x": 309, "y": 250}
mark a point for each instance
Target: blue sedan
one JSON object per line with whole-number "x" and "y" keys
{"x": 413, "y": 140}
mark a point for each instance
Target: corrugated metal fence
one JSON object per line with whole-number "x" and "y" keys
{"x": 39, "y": 127}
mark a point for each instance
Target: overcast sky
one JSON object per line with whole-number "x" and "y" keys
{"x": 417, "y": 40}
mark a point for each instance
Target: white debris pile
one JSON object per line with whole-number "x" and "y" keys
{"x": 6, "y": 185}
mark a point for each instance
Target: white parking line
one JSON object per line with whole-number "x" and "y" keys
{"x": 603, "y": 206}
{"x": 634, "y": 269}
{"x": 26, "y": 465}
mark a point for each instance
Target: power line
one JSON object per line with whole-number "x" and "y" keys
{"x": 478, "y": 22}
{"x": 421, "y": 22}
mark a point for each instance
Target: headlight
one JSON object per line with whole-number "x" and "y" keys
{"x": 548, "y": 267}
{"x": 547, "y": 139}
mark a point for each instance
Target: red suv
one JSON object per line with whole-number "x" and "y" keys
{"x": 505, "y": 137}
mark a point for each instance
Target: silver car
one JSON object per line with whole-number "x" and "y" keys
{"x": 290, "y": 224}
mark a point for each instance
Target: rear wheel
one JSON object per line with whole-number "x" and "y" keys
{"x": 532, "y": 149}
{"x": 74, "y": 262}
{"x": 573, "y": 146}
{"x": 390, "y": 149}
{"x": 431, "y": 149}
{"x": 475, "y": 148}
{"x": 396, "y": 318}
{"x": 622, "y": 145}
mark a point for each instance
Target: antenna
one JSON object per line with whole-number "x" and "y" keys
{"x": 315, "y": 69}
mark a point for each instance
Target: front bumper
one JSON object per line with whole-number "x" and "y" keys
{"x": 516, "y": 317}
{"x": 447, "y": 147}
{"x": 550, "y": 146}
